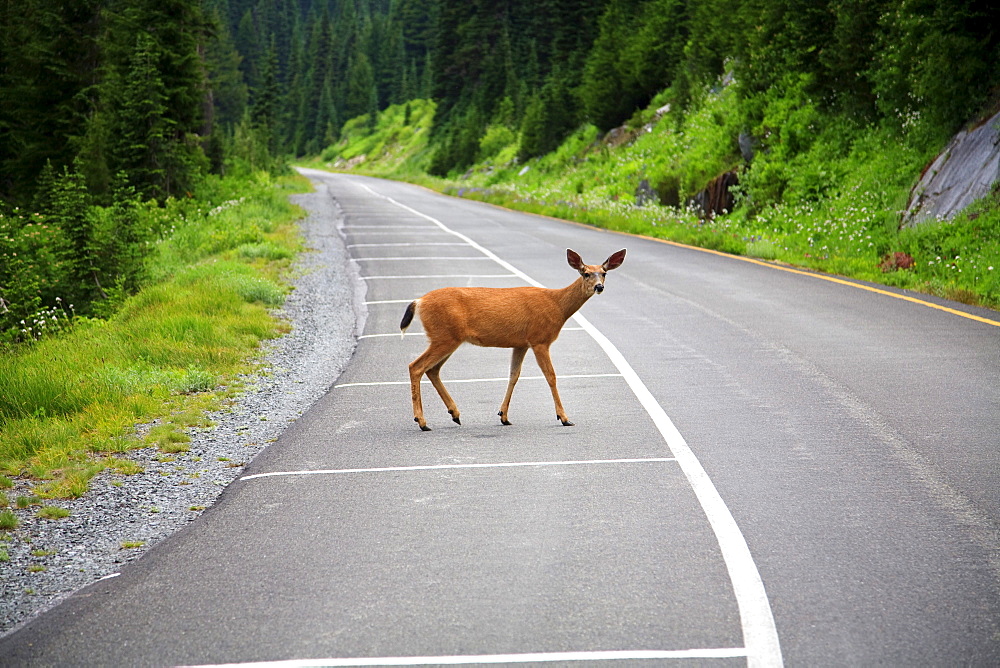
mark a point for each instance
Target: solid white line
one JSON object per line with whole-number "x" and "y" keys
{"x": 388, "y": 227}
{"x": 404, "y": 259}
{"x": 372, "y": 278}
{"x": 446, "y": 467}
{"x": 538, "y": 657}
{"x": 421, "y": 243}
{"x": 760, "y": 635}
{"x": 390, "y": 301}
{"x": 406, "y": 301}
{"x": 376, "y": 383}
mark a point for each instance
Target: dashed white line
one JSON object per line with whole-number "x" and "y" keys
{"x": 415, "y": 259}
{"x": 483, "y": 659}
{"x": 407, "y": 301}
{"x": 447, "y": 467}
{"x": 504, "y": 379}
{"x": 404, "y": 245}
{"x": 374, "y": 278}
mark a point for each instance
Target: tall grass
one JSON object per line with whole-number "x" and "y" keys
{"x": 68, "y": 402}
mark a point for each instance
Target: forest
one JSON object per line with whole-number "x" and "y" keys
{"x": 111, "y": 109}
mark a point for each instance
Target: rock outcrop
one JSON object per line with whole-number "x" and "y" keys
{"x": 964, "y": 172}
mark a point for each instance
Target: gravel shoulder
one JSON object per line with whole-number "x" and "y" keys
{"x": 51, "y": 559}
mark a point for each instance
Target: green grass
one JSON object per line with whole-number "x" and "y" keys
{"x": 8, "y": 520}
{"x": 52, "y": 513}
{"x": 67, "y": 402}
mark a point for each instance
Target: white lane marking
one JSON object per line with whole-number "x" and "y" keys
{"x": 377, "y": 383}
{"x": 377, "y": 233}
{"x": 538, "y": 657}
{"x": 447, "y": 467}
{"x": 408, "y": 259}
{"x": 421, "y": 243}
{"x": 378, "y": 336}
{"x": 390, "y": 301}
{"x": 373, "y": 278}
{"x": 760, "y": 635}
{"x": 387, "y": 227}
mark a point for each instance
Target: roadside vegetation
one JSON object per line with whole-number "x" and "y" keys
{"x": 73, "y": 390}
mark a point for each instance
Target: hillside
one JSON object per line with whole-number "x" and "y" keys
{"x": 662, "y": 174}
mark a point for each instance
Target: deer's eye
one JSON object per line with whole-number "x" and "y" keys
{"x": 586, "y": 274}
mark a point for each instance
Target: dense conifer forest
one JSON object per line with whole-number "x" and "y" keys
{"x": 108, "y": 105}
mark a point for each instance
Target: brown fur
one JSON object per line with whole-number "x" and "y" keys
{"x": 517, "y": 318}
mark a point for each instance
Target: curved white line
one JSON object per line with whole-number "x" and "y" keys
{"x": 760, "y": 635}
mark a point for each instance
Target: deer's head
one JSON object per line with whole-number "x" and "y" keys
{"x": 593, "y": 275}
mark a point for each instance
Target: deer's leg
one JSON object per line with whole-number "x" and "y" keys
{"x": 434, "y": 374}
{"x": 516, "y": 360}
{"x": 545, "y": 363}
{"x": 435, "y": 355}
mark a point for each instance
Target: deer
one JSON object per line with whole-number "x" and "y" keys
{"x": 518, "y": 318}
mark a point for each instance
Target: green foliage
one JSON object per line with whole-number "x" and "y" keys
{"x": 8, "y": 520}
{"x": 200, "y": 315}
{"x": 397, "y": 145}
{"x": 52, "y": 513}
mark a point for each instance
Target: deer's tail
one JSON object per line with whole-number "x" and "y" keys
{"x": 407, "y": 317}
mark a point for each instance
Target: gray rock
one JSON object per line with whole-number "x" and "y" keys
{"x": 964, "y": 172}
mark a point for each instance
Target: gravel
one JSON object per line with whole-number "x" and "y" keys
{"x": 123, "y": 516}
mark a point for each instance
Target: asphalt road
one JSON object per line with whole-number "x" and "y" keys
{"x": 767, "y": 466}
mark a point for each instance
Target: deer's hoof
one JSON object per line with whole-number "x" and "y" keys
{"x": 503, "y": 419}
{"x": 456, "y": 421}
{"x": 566, "y": 423}
{"x": 424, "y": 427}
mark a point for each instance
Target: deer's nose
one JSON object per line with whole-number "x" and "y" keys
{"x": 599, "y": 288}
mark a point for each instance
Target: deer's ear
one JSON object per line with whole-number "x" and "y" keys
{"x": 615, "y": 260}
{"x": 574, "y": 259}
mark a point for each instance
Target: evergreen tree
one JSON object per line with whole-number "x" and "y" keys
{"x": 267, "y": 101}
{"x": 140, "y": 129}
{"x": 609, "y": 97}
{"x": 226, "y": 83}
{"x": 360, "y": 86}
{"x": 48, "y": 66}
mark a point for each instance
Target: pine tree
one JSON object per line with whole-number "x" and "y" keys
{"x": 140, "y": 130}
{"x": 48, "y": 66}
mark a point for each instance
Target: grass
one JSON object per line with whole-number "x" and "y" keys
{"x": 69, "y": 404}
{"x": 8, "y": 520}
{"x": 52, "y": 513}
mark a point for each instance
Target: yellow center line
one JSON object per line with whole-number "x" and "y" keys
{"x": 831, "y": 279}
